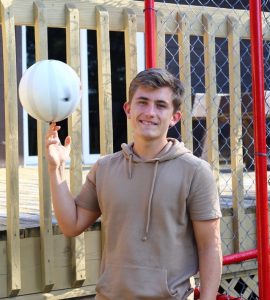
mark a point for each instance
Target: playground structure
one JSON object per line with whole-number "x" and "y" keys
{"x": 41, "y": 262}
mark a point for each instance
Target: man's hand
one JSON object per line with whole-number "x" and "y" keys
{"x": 56, "y": 153}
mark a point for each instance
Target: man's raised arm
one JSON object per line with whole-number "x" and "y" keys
{"x": 72, "y": 219}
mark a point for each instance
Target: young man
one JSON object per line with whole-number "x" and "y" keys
{"x": 159, "y": 203}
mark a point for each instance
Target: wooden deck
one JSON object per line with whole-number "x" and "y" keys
{"x": 29, "y": 200}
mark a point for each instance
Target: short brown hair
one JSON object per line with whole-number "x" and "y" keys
{"x": 157, "y": 78}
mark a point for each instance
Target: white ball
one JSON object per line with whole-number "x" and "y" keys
{"x": 50, "y": 90}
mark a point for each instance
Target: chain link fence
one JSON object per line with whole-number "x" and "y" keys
{"x": 207, "y": 44}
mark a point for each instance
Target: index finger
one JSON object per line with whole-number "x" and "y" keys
{"x": 52, "y": 130}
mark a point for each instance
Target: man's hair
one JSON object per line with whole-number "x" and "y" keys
{"x": 157, "y": 78}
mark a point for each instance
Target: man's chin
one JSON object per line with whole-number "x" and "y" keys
{"x": 150, "y": 137}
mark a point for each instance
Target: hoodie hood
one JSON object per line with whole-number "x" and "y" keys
{"x": 172, "y": 150}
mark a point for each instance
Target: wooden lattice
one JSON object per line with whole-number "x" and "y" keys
{"x": 245, "y": 286}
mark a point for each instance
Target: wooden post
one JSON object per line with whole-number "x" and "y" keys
{"x": 212, "y": 100}
{"x": 130, "y": 24}
{"x": 161, "y": 42}
{"x": 104, "y": 81}
{"x": 46, "y": 239}
{"x": 12, "y": 148}
{"x": 185, "y": 77}
{"x": 104, "y": 86}
{"x": 75, "y": 131}
{"x": 236, "y": 134}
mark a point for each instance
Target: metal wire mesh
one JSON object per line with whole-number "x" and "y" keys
{"x": 231, "y": 125}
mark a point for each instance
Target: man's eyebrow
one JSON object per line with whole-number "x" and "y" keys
{"x": 142, "y": 98}
{"x": 161, "y": 100}
{"x": 146, "y": 98}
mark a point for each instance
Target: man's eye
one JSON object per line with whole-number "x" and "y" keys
{"x": 142, "y": 102}
{"x": 161, "y": 105}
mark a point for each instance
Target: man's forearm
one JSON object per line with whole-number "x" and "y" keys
{"x": 210, "y": 273}
{"x": 63, "y": 202}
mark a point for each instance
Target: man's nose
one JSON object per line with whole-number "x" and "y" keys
{"x": 150, "y": 109}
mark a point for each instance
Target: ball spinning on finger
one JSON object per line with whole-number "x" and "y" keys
{"x": 50, "y": 90}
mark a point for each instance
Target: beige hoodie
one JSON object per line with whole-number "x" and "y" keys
{"x": 147, "y": 207}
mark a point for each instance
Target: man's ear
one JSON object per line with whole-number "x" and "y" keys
{"x": 175, "y": 118}
{"x": 126, "y": 107}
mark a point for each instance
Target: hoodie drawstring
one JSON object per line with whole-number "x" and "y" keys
{"x": 150, "y": 202}
{"x": 130, "y": 166}
{"x": 171, "y": 150}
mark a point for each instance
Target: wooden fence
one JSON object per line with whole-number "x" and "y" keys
{"x": 43, "y": 262}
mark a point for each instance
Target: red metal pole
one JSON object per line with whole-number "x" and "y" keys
{"x": 239, "y": 257}
{"x": 150, "y": 33}
{"x": 260, "y": 148}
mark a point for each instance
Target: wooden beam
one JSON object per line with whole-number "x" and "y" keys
{"x": 23, "y": 16}
{"x": 56, "y": 17}
{"x": 130, "y": 55}
{"x": 104, "y": 81}
{"x": 185, "y": 77}
{"x": 12, "y": 148}
{"x": 212, "y": 100}
{"x": 41, "y": 51}
{"x": 75, "y": 131}
{"x": 236, "y": 134}
{"x": 161, "y": 40}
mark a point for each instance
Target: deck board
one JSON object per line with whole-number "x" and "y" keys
{"x": 28, "y": 195}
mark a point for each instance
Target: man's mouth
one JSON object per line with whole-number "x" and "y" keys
{"x": 147, "y": 122}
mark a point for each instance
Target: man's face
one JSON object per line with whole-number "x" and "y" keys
{"x": 151, "y": 112}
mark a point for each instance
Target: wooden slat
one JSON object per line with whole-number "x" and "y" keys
{"x": 185, "y": 77}
{"x": 75, "y": 120}
{"x": 104, "y": 81}
{"x": 41, "y": 51}
{"x": 75, "y": 131}
{"x": 161, "y": 43}
{"x": 130, "y": 55}
{"x": 12, "y": 152}
{"x": 236, "y": 134}
{"x": 104, "y": 87}
{"x": 212, "y": 102}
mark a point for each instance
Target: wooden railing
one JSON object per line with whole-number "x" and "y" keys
{"x": 105, "y": 16}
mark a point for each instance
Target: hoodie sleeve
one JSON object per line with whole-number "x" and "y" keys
{"x": 87, "y": 197}
{"x": 203, "y": 201}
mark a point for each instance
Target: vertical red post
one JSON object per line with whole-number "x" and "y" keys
{"x": 150, "y": 33}
{"x": 260, "y": 148}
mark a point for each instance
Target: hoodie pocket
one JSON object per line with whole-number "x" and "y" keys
{"x": 133, "y": 282}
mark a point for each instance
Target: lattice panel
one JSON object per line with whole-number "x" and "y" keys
{"x": 244, "y": 286}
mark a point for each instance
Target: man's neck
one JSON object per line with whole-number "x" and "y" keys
{"x": 148, "y": 149}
